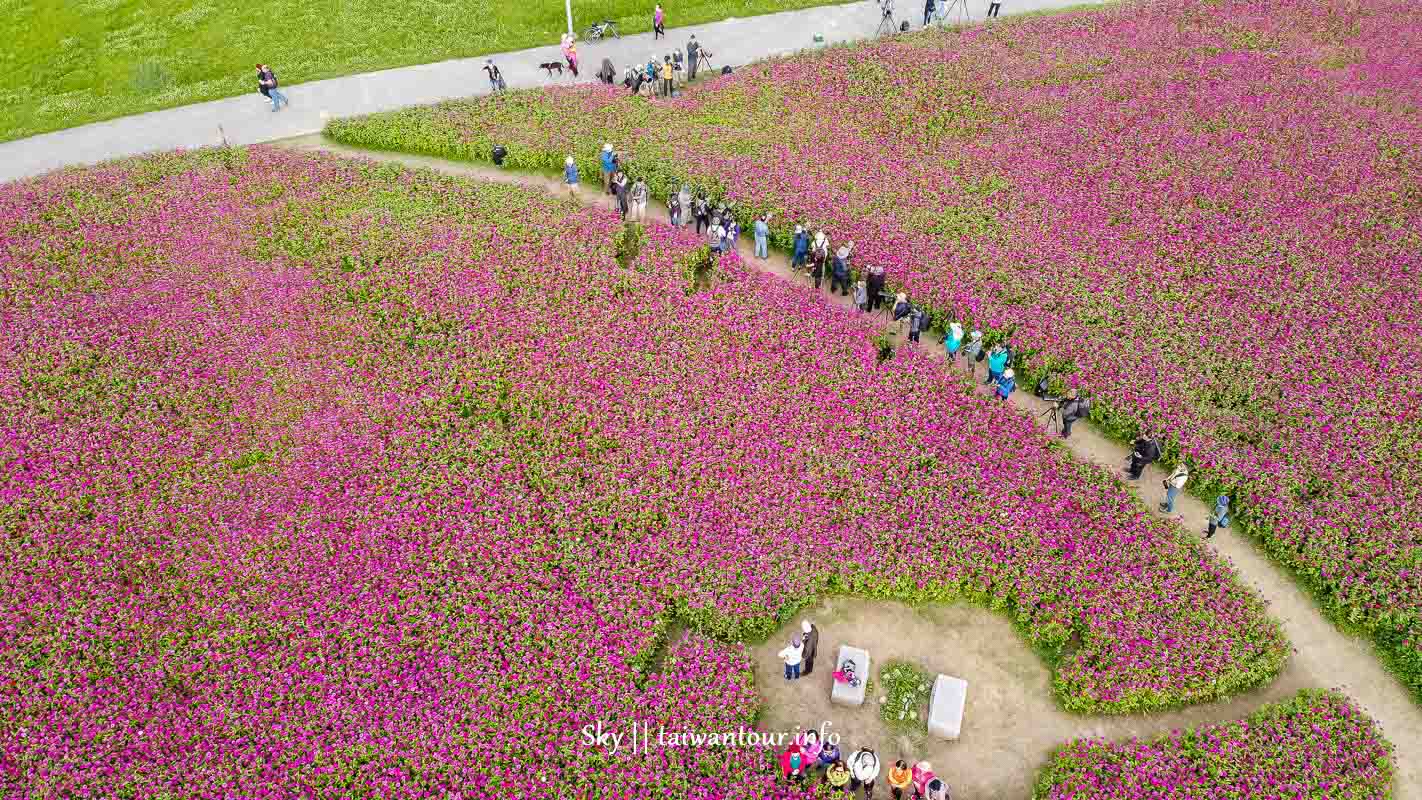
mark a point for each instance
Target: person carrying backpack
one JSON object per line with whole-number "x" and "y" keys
{"x": 840, "y": 270}
{"x": 1072, "y": 408}
{"x": 1006, "y": 382}
{"x": 997, "y": 362}
{"x": 267, "y": 85}
{"x": 953, "y": 341}
{"x": 917, "y": 322}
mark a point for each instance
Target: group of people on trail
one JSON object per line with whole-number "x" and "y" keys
{"x": 807, "y": 760}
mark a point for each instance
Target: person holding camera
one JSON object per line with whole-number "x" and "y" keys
{"x": 762, "y": 236}
{"x": 953, "y": 341}
{"x": 839, "y": 275}
{"x": 801, "y": 248}
{"x": 997, "y": 359}
{"x": 1072, "y": 408}
{"x": 917, "y": 322}
{"x": 875, "y": 281}
{"x": 693, "y": 57}
{"x": 819, "y": 257}
{"x": 1144, "y": 452}
{"x": 1174, "y": 485}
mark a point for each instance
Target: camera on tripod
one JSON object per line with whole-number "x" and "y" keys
{"x": 887, "y": 8}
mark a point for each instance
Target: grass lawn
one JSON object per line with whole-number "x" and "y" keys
{"x": 68, "y": 62}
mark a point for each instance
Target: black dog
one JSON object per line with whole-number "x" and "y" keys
{"x": 552, "y": 65}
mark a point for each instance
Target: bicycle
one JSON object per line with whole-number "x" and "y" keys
{"x": 601, "y": 30}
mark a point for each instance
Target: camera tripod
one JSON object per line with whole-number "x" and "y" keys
{"x": 886, "y": 20}
{"x": 947, "y": 7}
{"x": 1054, "y": 419}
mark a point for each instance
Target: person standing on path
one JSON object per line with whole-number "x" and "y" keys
{"x": 701, "y": 210}
{"x": 952, "y": 341}
{"x": 993, "y": 8}
{"x": 837, "y": 776}
{"x": 811, "y": 637}
{"x": 674, "y": 210}
{"x": 800, "y": 249}
{"x": 570, "y": 177}
{"x": 900, "y": 779}
{"x": 639, "y": 200}
{"x": 917, "y": 322}
{"x": 996, "y": 362}
{"x": 875, "y": 287}
{"x": 1144, "y": 452}
{"x": 693, "y": 55}
{"x": 840, "y": 270}
{"x": 608, "y": 161}
{"x": 762, "y": 236}
{"x": 1219, "y": 516}
{"x": 620, "y": 191}
{"x": 863, "y": 771}
{"x": 1173, "y": 486}
{"x": 570, "y": 53}
{"x": 668, "y": 76}
{"x": 496, "y": 78}
{"x": 928, "y": 6}
{"x": 861, "y": 296}
{"x": 267, "y": 85}
{"x": 792, "y": 656}
{"x": 974, "y": 351}
{"x": 1073, "y": 408}
{"x": 659, "y": 23}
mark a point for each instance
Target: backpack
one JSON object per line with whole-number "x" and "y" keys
{"x": 981, "y": 355}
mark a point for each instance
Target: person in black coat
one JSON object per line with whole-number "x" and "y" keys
{"x": 812, "y": 641}
{"x": 1073, "y": 407}
{"x": 1144, "y": 451}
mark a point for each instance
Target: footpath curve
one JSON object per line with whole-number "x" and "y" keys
{"x": 1322, "y": 656}
{"x": 249, "y": 120}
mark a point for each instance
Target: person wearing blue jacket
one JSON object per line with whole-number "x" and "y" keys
{"x": 802, "y": 248}
{"x": 762, "y": 236}
{"x": 1005, "y": 384}
{"x": 570, "y": 177}
{"x": 609, "y": 166}
{"x": 1219, "y": 515}
{"x": 839, "y": 274}
{"x": 997, "y": 362}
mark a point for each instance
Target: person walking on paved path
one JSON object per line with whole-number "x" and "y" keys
{"x": 659, "y": 19}
{"x": 570, "y": 177}
{"x": 800, "y": 249}
{"x": 928, "y": 6}
{"x": 716, "y": 235}
{"x": 693, "y": 57}
{"x": 792, "y": 657}
{"x": 608, "y": 161}
{"x": 607, "y": 73}
{"x": 762, "y": 236}
{"x": 811, "y": 637}
{"x": 1219, "y": 516}
{"x": 953, "y": 341}
{"x": 900, "y": 779}
{"x": 639, "y": 200}
{"x": 570, "y": 53}
{"x": 1144, "y": 452}
{"x": 1173, "y": 486}
{"x": 701, "y": 211}
{"x": 674, "y": 211}
{"x": 267, "y": 85}
{"x": 993, "y": 8}
{"x": 496, "y": 78}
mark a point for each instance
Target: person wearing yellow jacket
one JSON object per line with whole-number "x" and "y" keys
{"x": 837, "y": 776}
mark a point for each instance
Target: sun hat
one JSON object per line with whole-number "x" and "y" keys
{"x": 799, "y": 229}
{"x": 977, "y": 334}
{"x": 569, "y": 161}
{"x": 607, "y": 148}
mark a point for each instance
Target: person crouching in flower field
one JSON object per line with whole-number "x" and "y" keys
{"x": 794, "y": 764}
{"x": 837, "y": 776}
{"x": 829, "y": 753}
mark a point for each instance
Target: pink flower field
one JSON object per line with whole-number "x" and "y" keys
{"x": 1209, "y": 214}
{"x": 328, "y": 479}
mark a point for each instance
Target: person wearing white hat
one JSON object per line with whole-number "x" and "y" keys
{"x": 801, "y": 248}
{"x": 839, "y": 274}
{"x": 1006, "y": 383}
{"x": 819, "y": 257}
{"x": 570, "y": 177}
{"x": 812, "y": 643}
{"x": 953, "y": 341}
{"x": 792, "y": 656}
{"x": 974, "y": 350}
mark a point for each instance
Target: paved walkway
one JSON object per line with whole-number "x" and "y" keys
{"x": 1323, "y": 656}
{"x": 248, "y": 119}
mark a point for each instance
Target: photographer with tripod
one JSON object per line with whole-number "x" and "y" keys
{"x": 886, "y": 18}
{"x": 1072, "y": 408}
{"x": 1144, "y": 452}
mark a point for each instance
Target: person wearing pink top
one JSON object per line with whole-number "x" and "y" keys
{"x": 659, "y": 23}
